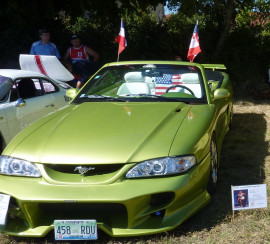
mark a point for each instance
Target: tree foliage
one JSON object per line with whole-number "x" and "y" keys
{"x": 234, "y": 32}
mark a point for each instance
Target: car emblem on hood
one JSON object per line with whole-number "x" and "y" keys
{"x": 83, "y": 170}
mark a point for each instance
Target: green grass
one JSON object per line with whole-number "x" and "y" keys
{"x": 245, "y": 160}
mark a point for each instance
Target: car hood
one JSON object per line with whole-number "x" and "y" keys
{"x": 99, "y": 132}
{"x": 47, "y": 65}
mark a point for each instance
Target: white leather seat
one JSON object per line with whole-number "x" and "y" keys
{"x": 134, "y": 84}
{"x": 134, "y": 77}
{"x": 133, "y": 88}
{"x": 190, "y": 78}
{"x": 192, "y": 81}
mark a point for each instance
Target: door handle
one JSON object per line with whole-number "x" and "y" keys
{"x": 50, "y": 105}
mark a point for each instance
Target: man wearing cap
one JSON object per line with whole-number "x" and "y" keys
{"x": 84, "y": 60}
{"x": 44, "y": 46}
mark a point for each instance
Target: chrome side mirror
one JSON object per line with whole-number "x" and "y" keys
{"x": 20, "y": 103}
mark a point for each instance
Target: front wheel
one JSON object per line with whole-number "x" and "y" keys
{"x": 213, "y": 177}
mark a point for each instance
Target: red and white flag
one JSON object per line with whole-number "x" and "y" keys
{"x": 121, "y": 38}
{"x": 194, "y": 47}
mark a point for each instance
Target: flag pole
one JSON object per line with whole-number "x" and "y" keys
{"x": 118, "y": 53}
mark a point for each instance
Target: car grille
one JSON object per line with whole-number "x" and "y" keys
{"x": 98, "y": 174}
{"x": 99, "y": 169}
{"x": 110, "y": 214}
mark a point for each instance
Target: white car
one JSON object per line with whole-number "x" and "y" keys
{"x": 26, "y": 96}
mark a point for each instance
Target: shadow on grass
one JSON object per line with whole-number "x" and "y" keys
{"x": 241, "y": 163}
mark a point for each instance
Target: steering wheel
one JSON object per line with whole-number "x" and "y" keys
{"x": 184, "y": 87}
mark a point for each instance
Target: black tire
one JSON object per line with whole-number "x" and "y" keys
{"x": 213, "y": 177}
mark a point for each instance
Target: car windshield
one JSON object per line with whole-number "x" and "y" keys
{"x": 5, "y": 86}
{"x": 145, "y": 82}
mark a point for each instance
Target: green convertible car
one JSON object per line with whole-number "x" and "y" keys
{"x": 136, "y": 152}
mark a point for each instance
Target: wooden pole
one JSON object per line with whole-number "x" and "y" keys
{"x": 118, "y": 53}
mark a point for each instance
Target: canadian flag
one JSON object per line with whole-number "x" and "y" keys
{"x": 194, "y": 47}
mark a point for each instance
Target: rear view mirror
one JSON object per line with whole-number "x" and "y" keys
{"x": 152, "y": 73}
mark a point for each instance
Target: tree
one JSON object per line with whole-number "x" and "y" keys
{"x": 228, "y": 29}
{"x": 21, "y": 20}
{"x": 222, "y": 12}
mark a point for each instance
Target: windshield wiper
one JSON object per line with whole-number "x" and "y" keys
{"x": 171, "y": 99}
{"x": 162, "y": 98}
{"x": 104, "y": 97}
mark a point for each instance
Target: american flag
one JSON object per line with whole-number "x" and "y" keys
{"x": 163, "y": 83}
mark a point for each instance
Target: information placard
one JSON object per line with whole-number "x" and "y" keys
{"x": 4, "y": 203}
{"x": 249, "y": 197}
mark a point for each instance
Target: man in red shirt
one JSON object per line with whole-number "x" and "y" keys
{"x": 84, "y": 60}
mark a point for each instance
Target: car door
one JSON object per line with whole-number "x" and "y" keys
{"x": 29, "y": 103}
{"x": 4, "y": 130}
{"x": 55, "y": 92}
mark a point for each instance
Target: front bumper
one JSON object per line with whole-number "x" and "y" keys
{"x": 126, "y": 208}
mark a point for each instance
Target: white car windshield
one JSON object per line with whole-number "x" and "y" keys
{"x": 5, "y": 86}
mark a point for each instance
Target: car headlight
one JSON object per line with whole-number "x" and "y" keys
{"x": 18, "y": 167}
{"x": 162, "y": 166}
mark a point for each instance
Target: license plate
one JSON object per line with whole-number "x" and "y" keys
{"x": 75, "y": 229}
